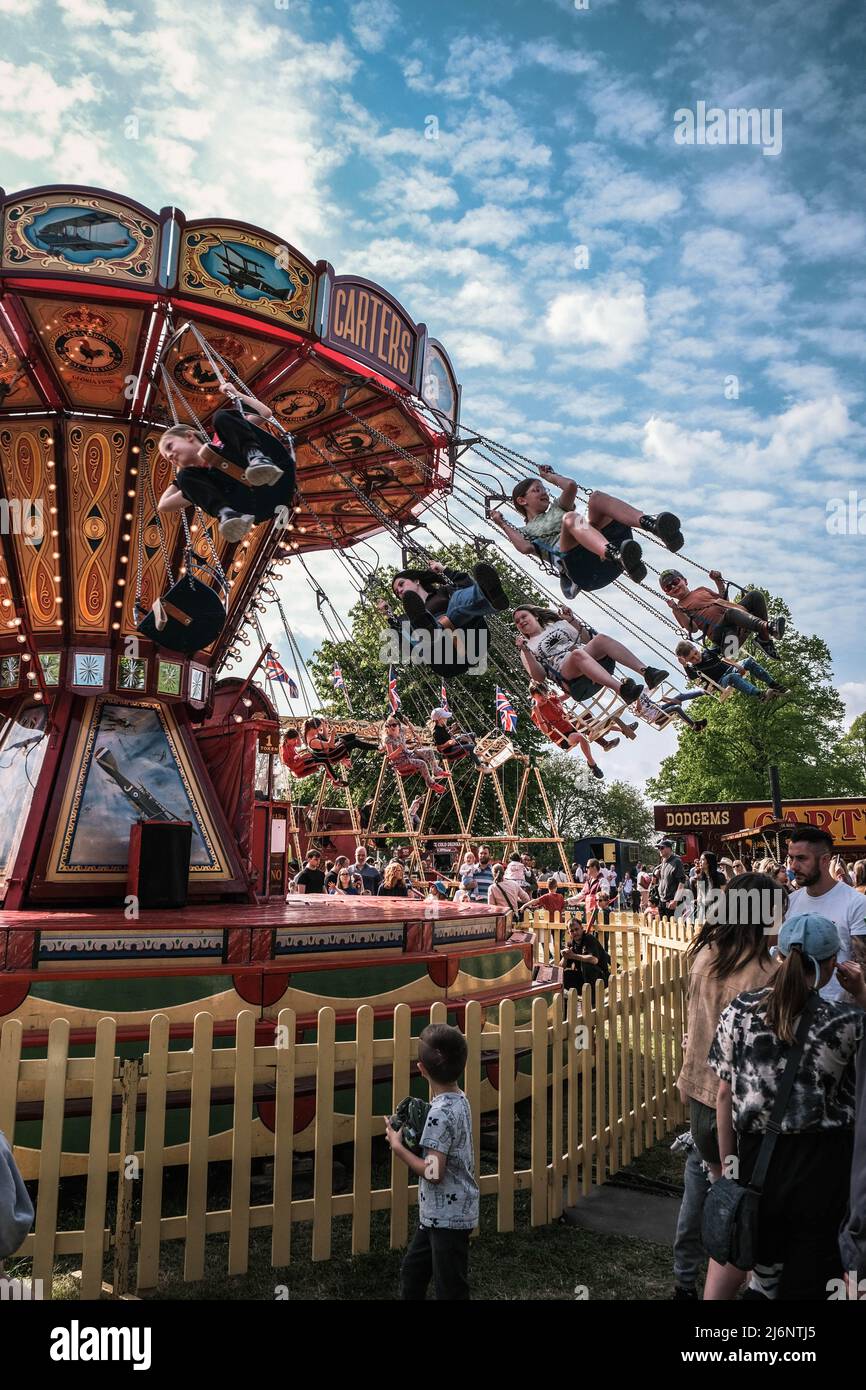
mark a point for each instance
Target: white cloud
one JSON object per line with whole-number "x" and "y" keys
{"x": 372, "y": 22}
{"x": 608, "y": 316}
{"x": 854, "y": 695}
{"x": 472, "y": 64}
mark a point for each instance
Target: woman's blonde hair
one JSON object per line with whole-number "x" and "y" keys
{"x": 394, "y": 874}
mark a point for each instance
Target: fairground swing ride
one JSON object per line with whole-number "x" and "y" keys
{"x": 117, "y": 618}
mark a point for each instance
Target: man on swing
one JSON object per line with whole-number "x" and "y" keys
{"x": 242, "y": 477}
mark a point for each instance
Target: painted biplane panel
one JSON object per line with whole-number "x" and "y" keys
{"x": 247, "y": 270}
{"x": 80, "y": 234}
{"x": 129, "y": 761}
{"x": 92, "y": 350}
{"x": 26, "y": 447}
{"x": 96, "y": 502}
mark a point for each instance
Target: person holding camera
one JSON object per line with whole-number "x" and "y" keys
{"x": 584, "y": 960}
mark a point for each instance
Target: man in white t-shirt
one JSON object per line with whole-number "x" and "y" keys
{"x": 809, "y": 854}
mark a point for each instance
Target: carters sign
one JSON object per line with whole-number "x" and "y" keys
{"x": 362, "y": 319}
{"x": 844, "y": 819}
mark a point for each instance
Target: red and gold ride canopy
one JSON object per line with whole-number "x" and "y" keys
{"x": 92, "y": 286}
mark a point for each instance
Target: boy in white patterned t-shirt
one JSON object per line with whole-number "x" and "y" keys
{"x": 447, "y": 1190}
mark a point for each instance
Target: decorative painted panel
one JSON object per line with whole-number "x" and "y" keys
{"x": 80, "y": 234}
{"x": 245, "y": 269}
{"x": 95, "y": 460}
{"x": 92, "y": 350}
{"x": 26, "y": 448}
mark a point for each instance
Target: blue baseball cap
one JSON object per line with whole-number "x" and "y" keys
{"x": 817, "y": 937}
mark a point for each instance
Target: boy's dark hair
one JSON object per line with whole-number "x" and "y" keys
{"x": 811, "y": 835}
{"x": 290, "y": 733}
{"x": 442, "y": 1051}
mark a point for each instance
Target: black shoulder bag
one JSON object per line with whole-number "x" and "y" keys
{"x": 729, "y": 1224}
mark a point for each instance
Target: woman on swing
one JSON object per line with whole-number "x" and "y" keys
{"x": 558, "y": 646}
{"x": 405, "y": 760}
{"x": 242, "y": 477}
{"x": 588, "y": 551}
{"x": 330, "y": 748}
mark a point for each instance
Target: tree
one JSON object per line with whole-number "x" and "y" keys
{"x": 801, "y": 733}
{"x": 364, "y": 662}
{"x": 853, "y": 745}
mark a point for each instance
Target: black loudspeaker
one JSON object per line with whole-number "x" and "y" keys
{"x": 159, "y": 853}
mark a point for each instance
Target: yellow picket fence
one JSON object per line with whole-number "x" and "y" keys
{"x": 602, "y": 1089}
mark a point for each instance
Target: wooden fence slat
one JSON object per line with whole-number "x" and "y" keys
{"x": 93, "y": 1254}
{"x": 589, "y": 1020}
{"x": 284, "y": 1140}
{"x": 154, "y": 1152}
{"x": 636, "y": 1071}
{"x": 363, "y": 1130}
{"x": 199, "y": 1134}
{"x": 557, "y": 1071}
{"x": 11, "y": 1034}
{"x": 572, "y": 1038}
{"x": 400, "y": 1087}
{"x": 658, "y": 1046}
{"x": 538, "y": 1201}
{"x": 242, "y": 1144}
{"x": 625, "y": 1067}
{"x": 130, "y": 1076}
{"x": 647, "y": 1051}
{"x": 323, "y": 1160}
{"x": 601, "y": 1152}
{"x": 50, "y": 1152}
{"x": 613, "y": 1106}
{"x": 505, "y": 1198}
{"x": 474, "y": 1019}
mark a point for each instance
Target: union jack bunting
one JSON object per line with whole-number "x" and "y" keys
{"x": 506, "y": 711}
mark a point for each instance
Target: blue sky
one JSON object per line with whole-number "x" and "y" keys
{"x": 555, "y": 130}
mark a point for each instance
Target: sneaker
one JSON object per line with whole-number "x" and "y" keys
{"x": 413, "y": 606}
{"x": 630, "y": 690}
{"x": 262, "y": 474}
{"x": 684, "y": 1295}
{"x": 699, "y": 725}
{"x": 437, "y": 789}
{"x": 596, "y": 770}
{"x": 235, "y": 525}
{"x": 776, "y": 627}
{"x": 630, "y": 559}
{"x": 653, "y": 676}
{"x": 609, "y": 743}
{"x": 567, "y": 585}
{"x": 767, "y": 647}
{"x": 667, "y": 527}
{"x": 773, "y": 693}
{"x": 490, "y": 585}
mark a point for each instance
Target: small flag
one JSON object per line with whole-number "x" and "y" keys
{"x": 337, "y": 678}
{"x": 443, "y": 698}
{"x": 506, "y": 711}
{"x": 393, "y": 697}
{"x": 275, "y": 672}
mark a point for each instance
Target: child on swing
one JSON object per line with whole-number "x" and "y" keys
{"x": 591, "y": 551}
{"x": 711, "y": 665}
{"x": 551, "y": 718}
{"x": 726, "y": 624}
{"x": 242, "y": 477}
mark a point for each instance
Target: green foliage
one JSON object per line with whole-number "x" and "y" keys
{"x": 801, "y": 733}
{"x": 853, "y": 747}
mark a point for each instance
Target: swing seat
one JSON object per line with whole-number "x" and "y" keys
{"x": 195, "y": 617}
